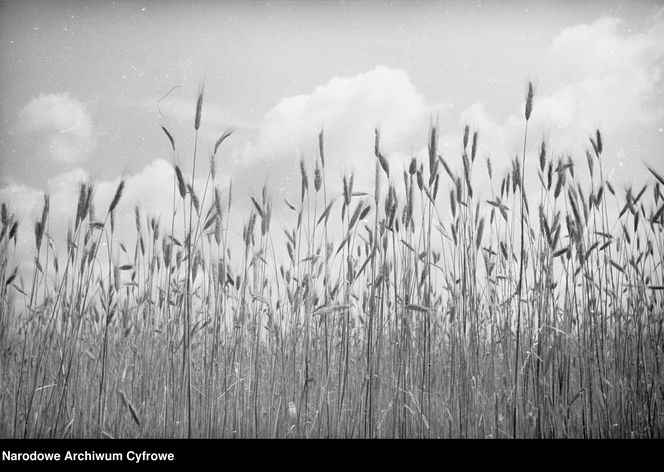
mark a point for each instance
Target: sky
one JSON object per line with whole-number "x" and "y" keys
{"x": 86, "y": 87}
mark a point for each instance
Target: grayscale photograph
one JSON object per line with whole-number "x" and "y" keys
{"x": 329, "y": 220}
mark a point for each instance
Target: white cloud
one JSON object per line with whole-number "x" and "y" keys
{"x": 62, "y": 125}
{"x": 599, "y": 50}
{"x": 595, "y": 76}
{"x": 610, "y": 80}
{"x": 21, "y": 200}
{"x": 151, "y": 189}
{"x": 348, "y": 109}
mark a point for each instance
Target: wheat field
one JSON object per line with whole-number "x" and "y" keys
{"x": 413, "y": 309}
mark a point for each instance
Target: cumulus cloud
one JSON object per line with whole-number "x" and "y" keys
{"x": 151, "y": 189}
{"x": 600, "y": 50}
{"x": 348, "y": 109}
{"x": 63, "y": 126}
{"x": 611, "y": 79}
{"x": 595, "y": 76}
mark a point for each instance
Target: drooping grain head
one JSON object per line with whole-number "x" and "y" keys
{"x": 227, "y": 132}
{"x": 589, "y": 160}
{"x": 194, "y": 198}
{"x": 117, "y": 196}
{"x": 169, "y": 136}
{"x": 180, "y": 179}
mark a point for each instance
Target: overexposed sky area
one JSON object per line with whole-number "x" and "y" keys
{"x": 82, "y": 81}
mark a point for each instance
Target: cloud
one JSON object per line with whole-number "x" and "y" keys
{"x": 598, "y": 50}
{"x": 348, "y": 109}
{"x": 21, "y": 200}
{"x": 611, "y": 79}
{"x": 594, "y": 76}
{"x": 62, "y": 125}
{"x": 150, "y": 189}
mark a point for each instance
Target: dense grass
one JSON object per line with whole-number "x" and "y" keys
{"x": 404, "y": 311}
